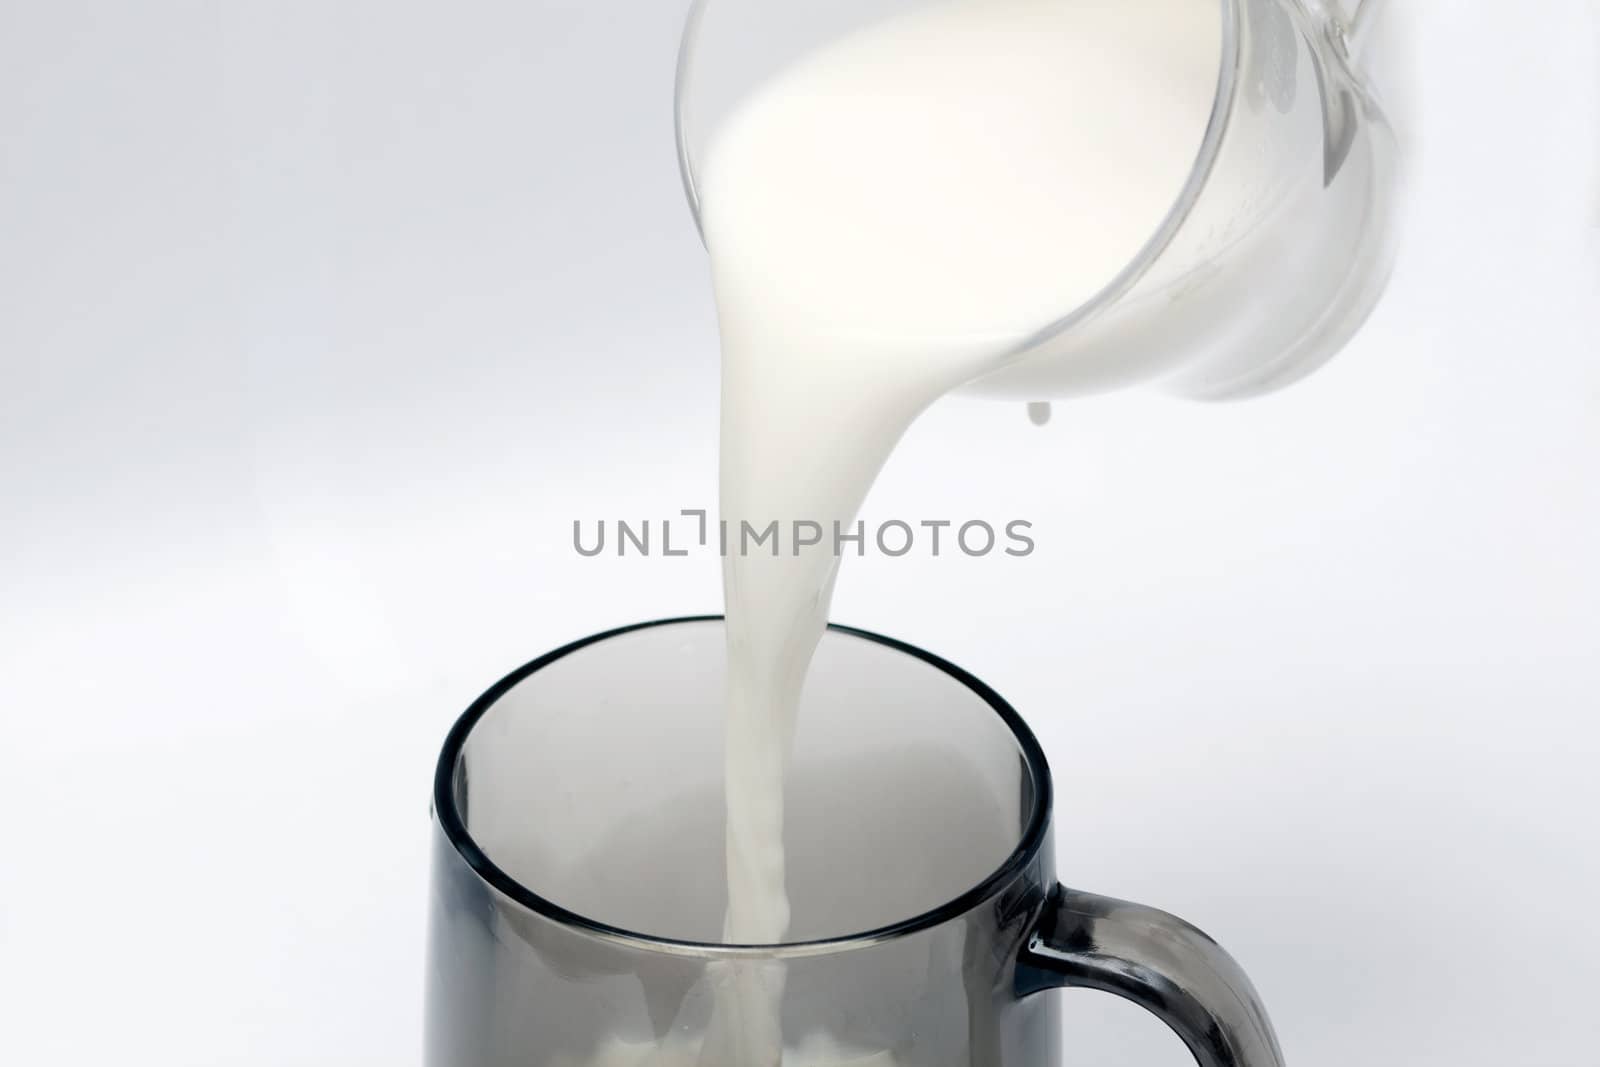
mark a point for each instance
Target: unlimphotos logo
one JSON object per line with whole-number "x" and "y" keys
{"x": 893, "y": 537}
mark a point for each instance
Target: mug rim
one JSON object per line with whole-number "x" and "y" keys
{"x": 1026, "y": 850}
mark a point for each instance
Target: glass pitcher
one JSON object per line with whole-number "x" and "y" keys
{"x": 579, "y": 884}
{"x": 1271, "y": 256}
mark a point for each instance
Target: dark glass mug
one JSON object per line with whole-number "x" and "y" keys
{"x": 578, "y": 883}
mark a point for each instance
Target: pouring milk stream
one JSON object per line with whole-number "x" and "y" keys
{"x": 885, "y": 216}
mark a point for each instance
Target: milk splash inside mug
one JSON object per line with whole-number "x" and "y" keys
{"x": 578, "y": 889}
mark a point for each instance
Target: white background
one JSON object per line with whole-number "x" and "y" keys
{"x": 321, "y": 321}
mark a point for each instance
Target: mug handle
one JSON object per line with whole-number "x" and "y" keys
{"x": 1159, "y": 962}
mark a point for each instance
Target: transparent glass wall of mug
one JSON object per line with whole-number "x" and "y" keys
{"x": 1272, "y": 256}
{"x": 597, "y": 784}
